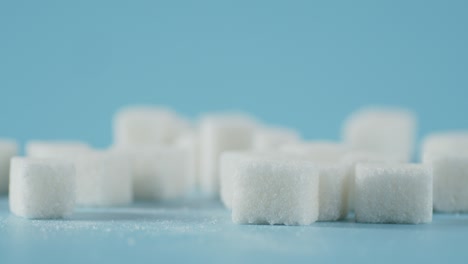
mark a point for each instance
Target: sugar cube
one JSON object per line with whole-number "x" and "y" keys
{"x": 229, "y": 164}
{"x": 220, "y": 133}
{"x": 447, "y": 153}
{"x": 55, "y": 149}
{"x": 351, "y": 159}
{"x": 442, "y": 143}
{"x": 41, "y": 188}
{"x": 147, "y": 125}
{"x": 189, "y": 141}
{"x": 450, "y": 182}
{"x": 387, "y": 130}
{"x": 271, "y": 138}
{"x": 8, "y": 149}
{"x": 103, "y": 178}
{"x": 393, "y": 193}
{"x": 275, "y": 192}
{"x": 160, "y": 172}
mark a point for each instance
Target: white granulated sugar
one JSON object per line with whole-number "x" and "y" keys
{"x": 41, "y": 188}
{"x": 386, "y": 130}
{"x": 450, "y": 182}
{"x": 160, "y": 172}
{"x": 8, "y": 149}
{"x": 271, "y": 138}
{"x": 396, "y": 193}
{"x": 229, "y": 165}
{"x": 55, "y": 149}
{"x": 219, "y": 133}
{"x": 147, "y": 125}
{"x": 276, "y": 192}
{"x": 333, "y": 191}
{"x": 316, "y": 151}
{"x": 354, "y": 157}
{"x": 103, "y": 178}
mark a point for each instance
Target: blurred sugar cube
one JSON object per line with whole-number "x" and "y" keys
{"x": 382, "y": 129}
{"x": 41, "y": 188}
{"x": 8, "y": 149}
{"x": 147, "y": 125}
{"x": 160, "y": 172}
{"x": 218, "y": 133}
{"x": 270, "y": 138}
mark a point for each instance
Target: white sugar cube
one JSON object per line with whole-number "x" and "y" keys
{"x": 189, "y": 141}
{"x": 442, "y": 143}
{"x": 8, "y": 149}
{"x": 147, "y": 125}
{"x": 450, "y": 182}
{"x": 103, "y": 178}
{"x": 447, "y": 153}
{"x": 396, "y": 193}
{"x": 229, "y": 165}
{"x": 271, "y": 138}
{"x": 41, "y": 188}
{"x": 317, "y": 151}
{"x": 351, "y": 159}
{"x": 219, "y": 133}
{"x": 55, "y": 149}
{"x": 386, "y": 130}
{"x": 160, "y": 172}
{"x": 333, "y": 191}
{"x": 275, "y": 192}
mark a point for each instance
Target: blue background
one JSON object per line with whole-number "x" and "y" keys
{"x": 67, "y": 66}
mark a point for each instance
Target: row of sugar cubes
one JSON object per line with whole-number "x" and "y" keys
{"x": 264, "y": 174}
{"x": 151, "y": 159}
{"x": 369, "y": 173}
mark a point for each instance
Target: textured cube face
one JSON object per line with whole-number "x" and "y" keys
{"x": 230, "y": 162}
{"x": 390, "y": 131}
{"x": 8, "y": 149}
{"x": 393, "y": 193}
{"x": 275, "y": 192}
{"x": 41, "y": 188}
{"x": 351, "y": 159}
{"x": 450, "y": 183}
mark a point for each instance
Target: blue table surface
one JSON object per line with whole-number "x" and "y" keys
{"x": 201, "y": 230}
